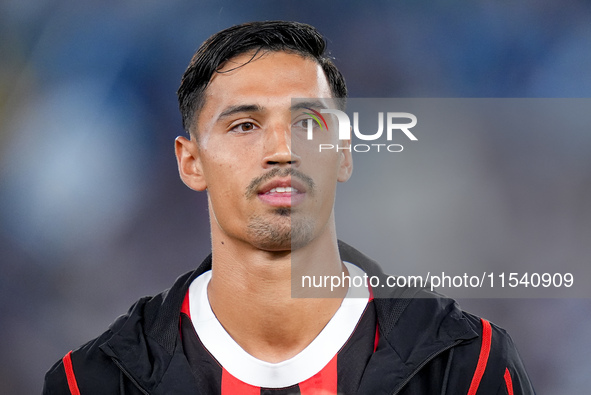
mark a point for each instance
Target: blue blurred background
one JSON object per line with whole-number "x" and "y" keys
{"x": 93, "y": 215}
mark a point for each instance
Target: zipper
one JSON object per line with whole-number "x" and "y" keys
{"x": 426, "y": 361}
{"x": 126, "y": 373}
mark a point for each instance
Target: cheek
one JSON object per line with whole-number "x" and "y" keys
{"x": 323, "y": 165}
{"x": 226, "y": 173}
{"x": 223, "y": 179}
{"x": 220, "y": 160}
{"x": 226, "y": 197}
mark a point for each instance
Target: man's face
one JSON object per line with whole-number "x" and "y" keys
{"x": 263, "y": 190}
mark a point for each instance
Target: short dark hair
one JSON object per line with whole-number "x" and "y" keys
{"x": 273, "y": 36}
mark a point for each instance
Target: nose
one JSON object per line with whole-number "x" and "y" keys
{"x": 278, "y": 148}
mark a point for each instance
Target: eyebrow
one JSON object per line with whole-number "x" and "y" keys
{"x": 302, "y": 105}
{"x": 257, "y": 108}
{"x": 240, "y": 108}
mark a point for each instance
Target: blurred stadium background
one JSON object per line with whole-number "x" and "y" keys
{"x": 93, "y": 215}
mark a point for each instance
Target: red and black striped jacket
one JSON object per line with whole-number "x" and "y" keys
{"x": 427, "y": 345}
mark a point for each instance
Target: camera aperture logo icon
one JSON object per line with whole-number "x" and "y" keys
{"x": 315, "y": 115}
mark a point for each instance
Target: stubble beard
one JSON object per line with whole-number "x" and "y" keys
{"x": 281, "y": 233}
{"x": 283, "y": 229}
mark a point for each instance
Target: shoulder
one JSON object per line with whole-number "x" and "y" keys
{"x": 149, "y": 329}
{"x": 492, "y": 360}
{"x": 483, "y": 356}
{"x": 418, "y": 323}
{"x": 92, "y": 370}
{"x": 93, "y": 366}
{"x": 88, "y": 366}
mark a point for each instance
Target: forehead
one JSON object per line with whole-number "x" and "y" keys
{"x": 269, "y": 80}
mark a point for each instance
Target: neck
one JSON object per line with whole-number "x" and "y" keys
{"x": 251, "y": 294}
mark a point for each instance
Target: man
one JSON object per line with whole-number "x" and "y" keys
{"x": 233, "y": 325}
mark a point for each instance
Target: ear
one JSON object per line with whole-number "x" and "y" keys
{"x": 346, "y": 165}
{"x": 189, "y": 162}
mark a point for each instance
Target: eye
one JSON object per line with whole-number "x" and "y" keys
{"x": 304, "y": 123}
{"x": 244, "y": 127}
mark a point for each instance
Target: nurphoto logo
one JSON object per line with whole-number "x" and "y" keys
{"x": 395, "y": 122}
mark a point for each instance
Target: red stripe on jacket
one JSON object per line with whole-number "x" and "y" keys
{"x": 72, "y": 384}
{"x": 482, "y": 358}
{"x": 508, "y": 381}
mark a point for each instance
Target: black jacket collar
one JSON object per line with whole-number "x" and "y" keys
{"x": 415, "y": 325}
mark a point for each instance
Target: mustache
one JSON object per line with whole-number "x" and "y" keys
{"x": 255, "y": 184}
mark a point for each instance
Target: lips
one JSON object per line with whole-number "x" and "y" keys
{"x": 285, "y": 192}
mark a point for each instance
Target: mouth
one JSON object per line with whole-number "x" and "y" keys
{"x": 282, "y": 190}
{"x": 285, "y": 192}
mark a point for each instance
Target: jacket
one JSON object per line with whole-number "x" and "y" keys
{"x": 427, "y": 346}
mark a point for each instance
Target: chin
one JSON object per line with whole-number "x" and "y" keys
{"x": 281, "y": 235}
